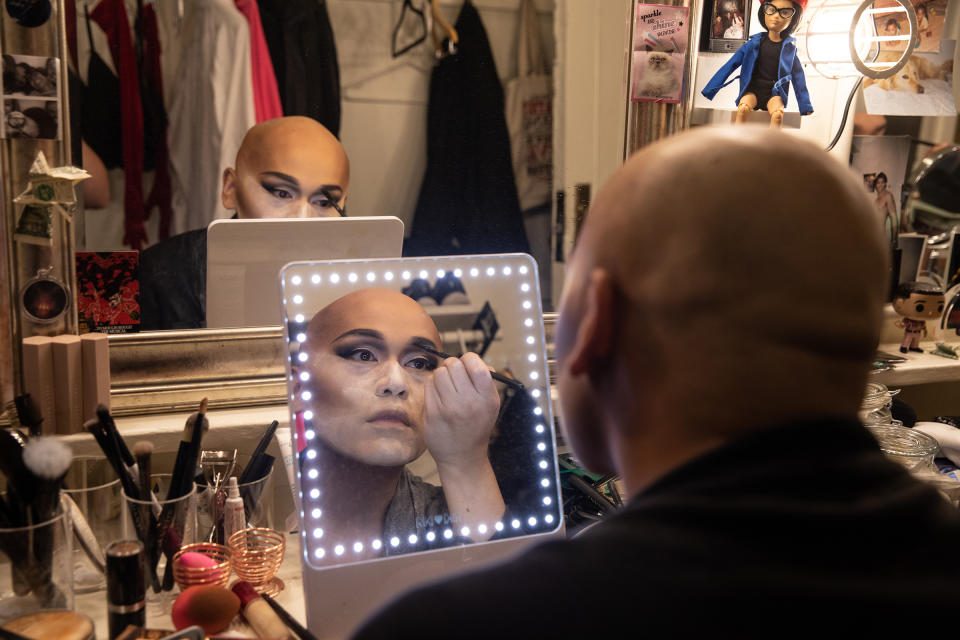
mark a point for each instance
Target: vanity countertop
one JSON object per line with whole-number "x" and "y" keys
{"x": 291, "y": 598}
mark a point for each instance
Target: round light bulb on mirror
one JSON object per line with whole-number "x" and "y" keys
{"x": 295, "y": 280}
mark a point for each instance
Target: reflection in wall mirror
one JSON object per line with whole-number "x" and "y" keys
{"x": 404, "y": 450}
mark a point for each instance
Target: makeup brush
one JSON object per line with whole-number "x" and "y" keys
{"x": 48, "y": 460}
{"x": 516, "y": 384}
{"x": 298, "y": 629}
{"x": 84, "y": 534}
{"x": 110, "y": 427}
{"x": 28, "y": 411}
{"x": 184, "y": 470}
{"x": 253, "y": 467}
{"x": 112, "y": 452}
{"x": 142, "y": 451}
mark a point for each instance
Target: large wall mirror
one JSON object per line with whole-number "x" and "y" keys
{"x": 400, "y": 451}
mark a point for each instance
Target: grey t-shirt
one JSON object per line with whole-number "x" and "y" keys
{"x": 417, "y": 507}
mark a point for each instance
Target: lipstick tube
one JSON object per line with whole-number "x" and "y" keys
{"x": 126, "y": 588}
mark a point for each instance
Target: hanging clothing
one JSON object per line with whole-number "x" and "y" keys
{"x": 212, "y": 109}
{"x": 266, "y": 95}
{"x": 100, "y": 107}
{"x": 154, "y": 120}
{"x": 111, "y": 15}
{"x": 304, "y": 54}
{"x": 468, "y": 201}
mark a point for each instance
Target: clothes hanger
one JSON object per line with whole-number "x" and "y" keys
{"x": 408, "y": 4}
{"x": 448, "y": 34}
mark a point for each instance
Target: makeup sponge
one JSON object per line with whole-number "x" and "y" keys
{"x": 194, "y": 560}
{"x": 207, "y": 606}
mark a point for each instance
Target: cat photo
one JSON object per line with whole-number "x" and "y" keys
{"x": 656, "y": 77}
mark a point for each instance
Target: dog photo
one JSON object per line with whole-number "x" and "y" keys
{"x": 923, "y": 87}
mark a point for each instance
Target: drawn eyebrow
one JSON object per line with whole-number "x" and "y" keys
{"x": 367, "y": 333}
{"x": 282, "y": 176}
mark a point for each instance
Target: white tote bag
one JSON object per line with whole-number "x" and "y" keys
{"x": 529, "y": 112}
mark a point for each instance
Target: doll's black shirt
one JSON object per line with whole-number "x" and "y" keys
{"x": 766, "y": 70}
{"x": 801, "y": 530}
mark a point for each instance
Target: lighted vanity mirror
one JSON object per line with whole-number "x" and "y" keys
{"x": 400, "y": 451}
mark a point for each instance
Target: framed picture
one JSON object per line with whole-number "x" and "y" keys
{"x": 726, "y": 25}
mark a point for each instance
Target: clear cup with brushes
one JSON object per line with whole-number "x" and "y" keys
{"x": 36, "y": 568}
{"x": 164, "y": 525}
{"x": 219, "y": 515}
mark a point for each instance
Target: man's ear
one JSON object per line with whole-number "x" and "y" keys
{"x": 228, "y": 194}
{"x": 594, "y": 341}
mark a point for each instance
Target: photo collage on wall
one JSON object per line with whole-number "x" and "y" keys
{"x": 924, "y": 87}
{"x": 31, "y": 97}
{"x": 659, "y": 47}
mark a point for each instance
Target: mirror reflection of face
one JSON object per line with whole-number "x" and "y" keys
{"x": 365, "y": 376}
{"x": 880, "y": 184}
{"x": 287, "y": 168}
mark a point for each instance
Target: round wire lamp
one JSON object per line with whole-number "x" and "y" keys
{"x": 841, "y": 39}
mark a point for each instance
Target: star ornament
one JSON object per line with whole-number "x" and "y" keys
{"x": 51, "y": 185}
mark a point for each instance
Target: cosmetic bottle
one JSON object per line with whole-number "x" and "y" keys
{"x": 233, "y": 516}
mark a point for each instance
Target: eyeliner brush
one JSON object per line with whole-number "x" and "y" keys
{"x": 516, "y": 384}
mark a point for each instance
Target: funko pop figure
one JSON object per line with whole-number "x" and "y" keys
{"x": 916, "y": 302}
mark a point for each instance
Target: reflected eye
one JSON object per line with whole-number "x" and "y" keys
{"x": 920, "y": 307}
{"x": 940, "y": 308}
{"x": 423, "y": 363}
{"x": 321, "y": 203}
{"x": 362, "y": 355}
{"x": 278, "y": 192}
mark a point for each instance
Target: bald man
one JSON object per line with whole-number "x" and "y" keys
{"x": 713, "y": 354}
{"x": 290, "y": 167}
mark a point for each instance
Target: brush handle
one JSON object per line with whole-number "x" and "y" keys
{"x": 253, "y": 465}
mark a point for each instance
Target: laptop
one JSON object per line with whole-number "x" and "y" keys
{"x": 244, "y": 258}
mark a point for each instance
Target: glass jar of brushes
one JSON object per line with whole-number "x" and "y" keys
{"x": 912, "y": 449}
{"x": 876, "y": 405}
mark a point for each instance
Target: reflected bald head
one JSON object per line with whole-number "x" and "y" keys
{"x": 282, "y": 169}
{"x": 746, "y": 270}
{"x": 381, "y": 310}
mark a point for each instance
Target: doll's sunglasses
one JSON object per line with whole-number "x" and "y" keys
{"x": 786, "y": 12}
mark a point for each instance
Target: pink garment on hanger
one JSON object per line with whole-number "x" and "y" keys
{"x": 266, "y": 95}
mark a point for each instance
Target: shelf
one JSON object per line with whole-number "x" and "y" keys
{"x": 920, "y": 368}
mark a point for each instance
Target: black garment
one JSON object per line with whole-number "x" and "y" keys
{"x": 468, "y": 201}
{"x": 173, "y": 283}
{"x": 304, "y": 55}
{"x": 766, "y": 71}
{"x": 804, "y": 530}
{"x": 100, "y": 108}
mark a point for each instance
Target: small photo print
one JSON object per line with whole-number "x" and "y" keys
{"x": 930, "y": 18}
{"x": 923, "y": 87}
{"x": 657, "y": 76}
{"x": 34, "y": 76}
{"x": 25, "y": 118}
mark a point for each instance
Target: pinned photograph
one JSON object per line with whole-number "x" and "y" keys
{"x": 659, "y": 44}
{"x": 27, "y": 118}
{"x": 894, "y": 23}
{"x": 34, "y": 76}
{"x": 882, "y": 163}
{"x": 923, "y": 87}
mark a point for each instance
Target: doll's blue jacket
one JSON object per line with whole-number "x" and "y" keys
{"x": 746, "y": 56}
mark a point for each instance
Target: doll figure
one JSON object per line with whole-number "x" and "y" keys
{"x": 916, "y": 302}
{"x": 769, "y": 65}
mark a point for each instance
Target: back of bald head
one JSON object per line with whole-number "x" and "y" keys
{"x": 747, "y": 262}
